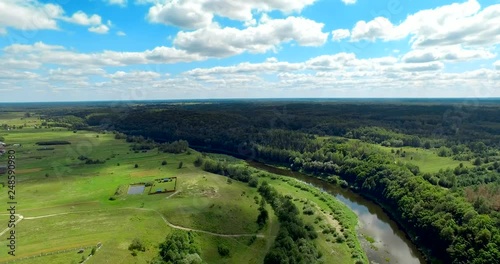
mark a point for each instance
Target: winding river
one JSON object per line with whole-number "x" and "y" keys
{"x": 391, "y": 244}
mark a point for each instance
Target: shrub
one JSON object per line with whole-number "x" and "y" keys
{"x": 137, "y": 245}
{"x": 198, "y": 162}
{"x": 223, "y": 250}
{"x": 253, "y": 182}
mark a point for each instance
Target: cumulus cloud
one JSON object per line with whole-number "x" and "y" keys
{"x": 101, "y": 29}
{"x": 195, "y": 14}
{"x": 52, "y": 54}
{"x": 94, "y": 21}
{"x": 83, "y": 19}
{"x": 497, "y": 65}
{"x": 426, "y": 66}
{"x": 332, "y": 75}
{"x": 184, "y": 14}
{"x": 451, "y": 53}
{"x": 340, "y": 34}
{"x": 215, "y": 41}
{"x": 28, "y": 15}
{"x": 459, "y": 23}
{"x": 33, "y": 15}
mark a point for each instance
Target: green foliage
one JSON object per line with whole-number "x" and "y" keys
{"x": 137, "y": 244}
{"x": 198, "y": 161}
{"x": 294, "y": 241}
{"x": 223, "y": 250}
{"x": 253, "y": 182}
{"x": 180, "y": 165}
{"x": 163, "y": 163}
{"x": 178, "y": 146}
{"x": 180, "y": 247}
{"x": 263, "y": 215}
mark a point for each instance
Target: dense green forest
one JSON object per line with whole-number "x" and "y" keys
{"x": 453, "y": 214}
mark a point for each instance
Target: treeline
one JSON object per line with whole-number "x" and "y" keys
{"x": 294, "y": 242}
{"x": 233, "y": 171}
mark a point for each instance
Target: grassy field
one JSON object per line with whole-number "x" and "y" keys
{"x": 426, "y": 159}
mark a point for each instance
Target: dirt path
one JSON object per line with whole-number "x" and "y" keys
{"x": 19, "y": 218}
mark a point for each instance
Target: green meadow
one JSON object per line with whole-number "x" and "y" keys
{"x": 426, "y": 159}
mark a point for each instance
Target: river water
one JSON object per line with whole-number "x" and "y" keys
{"x": 391, "y": 244}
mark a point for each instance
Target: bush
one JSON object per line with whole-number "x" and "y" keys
{"x": 198, "y": 162}
{"x": 223, "y": 250}
{"x": 253, "y": 182}
{"x": 136, "y": 166}
{"x": 137, "y": 245}
{"x": 180, "y": 165}
{"x": 163, "y": 163}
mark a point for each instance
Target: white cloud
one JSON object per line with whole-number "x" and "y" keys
{"x": 450, "y": 53}
{"x": 334, "y": 75}
{"x": 184, "y": 14}
{"x": 83, "y": 19}
{"x": 215, "y": 41}
{"x": 51, "y": 54}
{"x": 340, "y": 34}
{"x": 349, "y": 2}
{"x": 459, "y": 23}
{"x": 380, "y": 27}
{"x": 425, "y": 66}
{"x": 497, "y": 65}
{"x": 121, "y": 33}
{"x": 117, "y": 2}
{"x": 134, "y": 76}
{"x": 101, "y": 29}
{"x": 17, "y": 64}
{"x": 28, "y": 15}
{"x": 195, "y": 14}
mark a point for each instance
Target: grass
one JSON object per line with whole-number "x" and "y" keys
{"x": 426, "y": 159}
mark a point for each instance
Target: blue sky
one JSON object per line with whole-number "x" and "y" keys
{"x": 161, "y": 49}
